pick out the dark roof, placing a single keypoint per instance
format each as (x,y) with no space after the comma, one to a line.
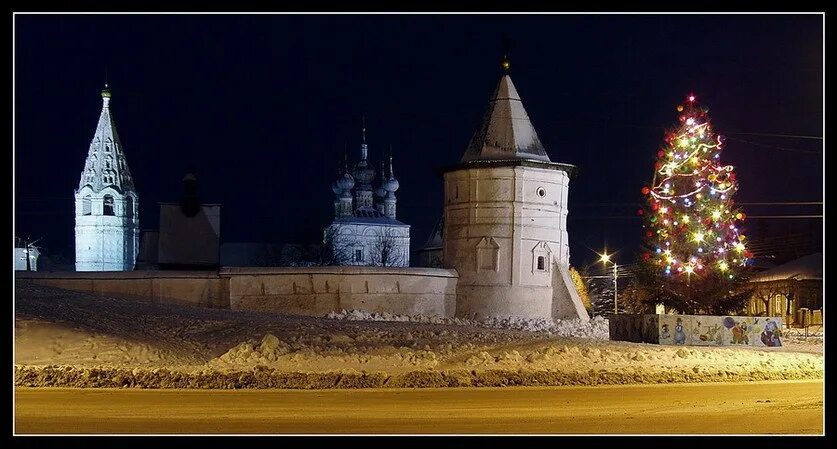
(804,268)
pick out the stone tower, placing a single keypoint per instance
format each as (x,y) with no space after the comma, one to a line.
(505,220)
(107,205)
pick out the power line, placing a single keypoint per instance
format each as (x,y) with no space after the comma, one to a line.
(789,136)
(774,203)
(792,150)
(784,216)
(628,217)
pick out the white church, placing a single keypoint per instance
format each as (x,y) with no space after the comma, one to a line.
(107,204)
(365,230)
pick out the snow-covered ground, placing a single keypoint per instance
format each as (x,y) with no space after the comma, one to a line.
(595,328)
(67,338)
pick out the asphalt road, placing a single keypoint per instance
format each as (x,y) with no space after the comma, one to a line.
(794,407)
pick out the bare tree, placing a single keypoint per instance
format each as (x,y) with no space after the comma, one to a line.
(386,249)
(337,247)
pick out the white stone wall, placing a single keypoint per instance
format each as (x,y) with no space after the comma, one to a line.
(370,239)
(498,222)
(313,291)
(316,291)
(106,242)
(198,288)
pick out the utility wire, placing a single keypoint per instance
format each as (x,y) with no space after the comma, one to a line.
(792,150)
(789,136)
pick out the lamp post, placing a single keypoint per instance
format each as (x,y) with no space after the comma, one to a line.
(605,258)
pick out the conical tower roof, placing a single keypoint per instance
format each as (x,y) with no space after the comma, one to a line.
(506,132)
(106,164)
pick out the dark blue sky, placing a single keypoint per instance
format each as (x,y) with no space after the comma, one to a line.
(262,106)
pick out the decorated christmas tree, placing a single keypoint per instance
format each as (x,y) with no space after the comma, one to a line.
(695,252)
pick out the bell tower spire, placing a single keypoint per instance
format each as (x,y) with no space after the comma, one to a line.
(107,204)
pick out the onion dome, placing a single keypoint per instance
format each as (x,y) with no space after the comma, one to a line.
(346,182)
(390,184)
(363,173)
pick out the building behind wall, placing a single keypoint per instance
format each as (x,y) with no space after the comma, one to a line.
(430,255)
(788,289)
(106,203)
(21,255)
(365,230)
(505,219)
(190,231)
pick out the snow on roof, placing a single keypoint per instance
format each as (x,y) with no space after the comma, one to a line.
(808,267)
(506,132)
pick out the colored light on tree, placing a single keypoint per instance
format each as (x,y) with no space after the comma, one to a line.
(690,209)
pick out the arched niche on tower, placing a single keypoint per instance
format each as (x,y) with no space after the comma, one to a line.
(541,258)
(488,255)
(108,205)
(87,205)
(130,207)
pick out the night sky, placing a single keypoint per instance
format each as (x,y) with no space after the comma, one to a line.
(261,107)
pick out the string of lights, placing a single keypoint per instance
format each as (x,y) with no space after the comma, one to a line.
(691,221)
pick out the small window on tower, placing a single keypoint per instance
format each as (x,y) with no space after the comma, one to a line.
(129,207)
(541,263)
(107,208)
(358,255)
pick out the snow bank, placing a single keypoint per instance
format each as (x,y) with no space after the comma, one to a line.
(264,377)
(72,339)
(596,328)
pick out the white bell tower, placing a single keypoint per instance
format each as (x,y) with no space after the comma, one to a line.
(107,205)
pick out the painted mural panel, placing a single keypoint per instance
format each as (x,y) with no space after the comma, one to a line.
(650,328)
(737,330)
(707,330)
(766,332)
(675,330)
(697,330)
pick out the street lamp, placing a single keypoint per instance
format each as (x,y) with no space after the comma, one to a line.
(605,259)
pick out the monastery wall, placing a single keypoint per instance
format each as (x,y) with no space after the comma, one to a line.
(199,288)
(313,291)
(316,291)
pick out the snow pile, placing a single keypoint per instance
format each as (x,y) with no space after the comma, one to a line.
(596,327)
(246,353)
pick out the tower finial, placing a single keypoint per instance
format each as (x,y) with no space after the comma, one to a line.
(505,64)
(346,157)
(106,95)
(363,146)
(390,161)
